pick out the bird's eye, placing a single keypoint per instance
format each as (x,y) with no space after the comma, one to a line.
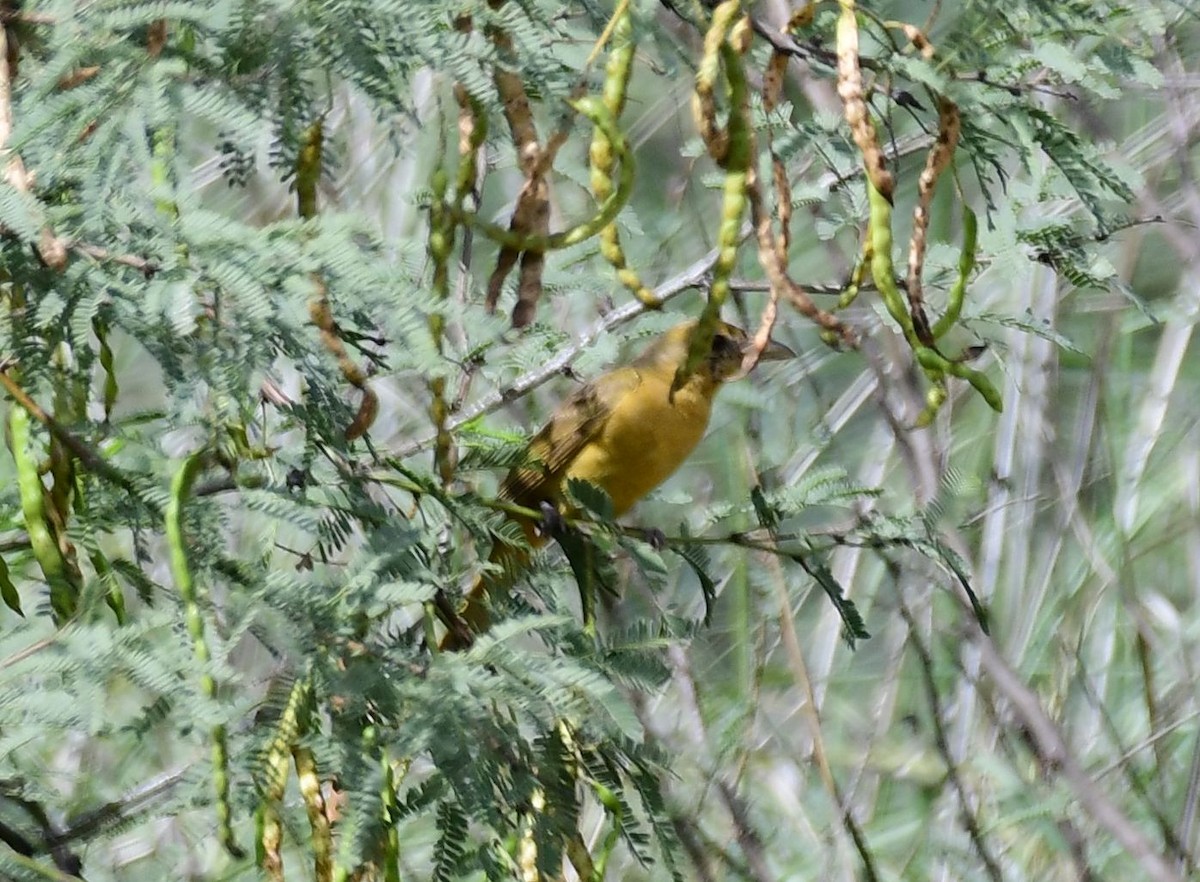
(725,345)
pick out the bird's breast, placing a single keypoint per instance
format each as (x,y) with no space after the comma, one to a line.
(648,435)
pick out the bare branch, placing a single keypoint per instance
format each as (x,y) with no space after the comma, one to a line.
(50,248)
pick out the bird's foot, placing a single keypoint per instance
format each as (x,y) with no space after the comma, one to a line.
(552,523)
(655,538)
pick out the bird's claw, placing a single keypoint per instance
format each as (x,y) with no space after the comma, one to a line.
(552,521)
(656,538)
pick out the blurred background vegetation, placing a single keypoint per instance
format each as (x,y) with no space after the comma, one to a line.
(213,657)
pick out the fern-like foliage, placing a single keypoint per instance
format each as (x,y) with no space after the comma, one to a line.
(165,143)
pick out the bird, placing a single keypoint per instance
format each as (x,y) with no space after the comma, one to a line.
(626,432)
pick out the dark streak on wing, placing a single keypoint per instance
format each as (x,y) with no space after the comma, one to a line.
(571,428)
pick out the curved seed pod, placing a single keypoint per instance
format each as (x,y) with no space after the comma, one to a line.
(594,110)
(272,774)
(114,597)
(937,365)
(308,176)
(8,591)
(772,93)
(530,221)
(70,404)
(737,164)
(64,584)
(441,237)
(318,819)
(879,231)
(443,447)
(856,276)
(850,90)
(704,102)
(181,571)
(111,389)
(308,169)
(941,154)
(833,331)
(364,417)
(320,314)
(616,81)
(441,246)
(268,836)
(966,263)
(773,247)
(472,132)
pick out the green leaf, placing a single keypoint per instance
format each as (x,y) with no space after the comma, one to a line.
(8,591)
(696,557)
(592,568)
(649,561)
(853,626)
(591,497)
(767,516)
(1031,325)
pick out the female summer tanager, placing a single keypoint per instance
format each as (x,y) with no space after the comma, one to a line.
(625,431)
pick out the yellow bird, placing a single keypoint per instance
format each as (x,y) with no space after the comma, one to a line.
(624,432)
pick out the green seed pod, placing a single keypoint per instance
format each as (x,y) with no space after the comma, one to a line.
(308,169)
(879,231)
(738,157)
(64,588)
(594,110)
(111,389)
(181,487)
(966,264)
(602,158)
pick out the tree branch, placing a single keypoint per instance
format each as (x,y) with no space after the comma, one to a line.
(49,247)
(90,459)
(690,278)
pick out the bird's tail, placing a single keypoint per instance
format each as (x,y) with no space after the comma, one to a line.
(474,617)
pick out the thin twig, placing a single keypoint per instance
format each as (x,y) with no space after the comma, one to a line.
(791,643)
(942,741)
(1058,758)
(32,649)
(690,278)
(141,264)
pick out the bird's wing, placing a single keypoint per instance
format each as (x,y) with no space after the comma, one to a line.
(576,422)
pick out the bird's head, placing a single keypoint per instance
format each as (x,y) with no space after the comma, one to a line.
(724,360)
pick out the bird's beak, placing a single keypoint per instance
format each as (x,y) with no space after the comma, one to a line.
(775,351)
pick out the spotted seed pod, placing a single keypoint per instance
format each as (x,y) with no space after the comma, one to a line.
(594,110)
(850,90)
(704,102)
(940,155)
(739,138)
(603,161)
